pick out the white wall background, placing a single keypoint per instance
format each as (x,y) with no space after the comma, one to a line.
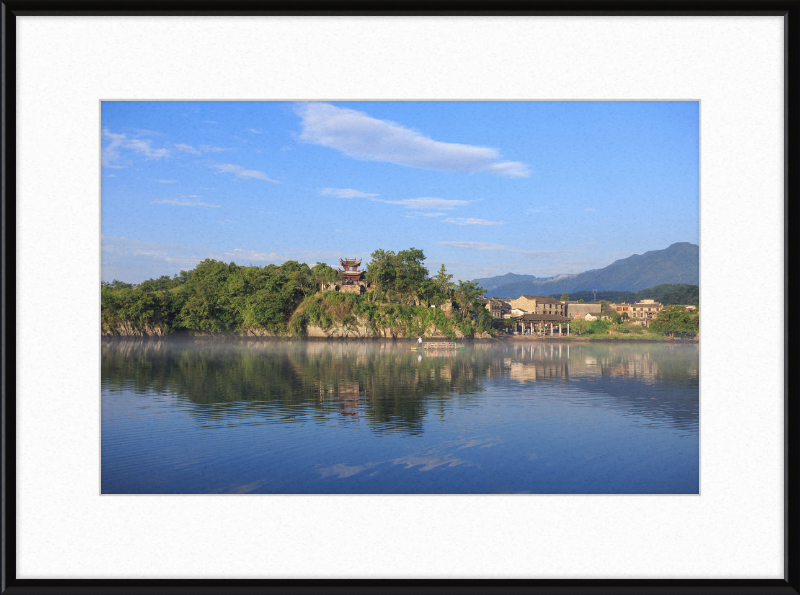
(66,65)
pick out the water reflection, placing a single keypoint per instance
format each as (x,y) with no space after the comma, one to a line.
(376,417)
(391,387)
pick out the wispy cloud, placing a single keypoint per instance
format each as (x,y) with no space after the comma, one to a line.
(187,149)
(165,181)
(111,153)
(209,122)
(255,131)
(441,204)
(199,150)
(145,132)
(490,247)
(241,172)
(471,221)
(345,193)
(590,209)
(182,202)
(419,215)
(360,136)
(121,250)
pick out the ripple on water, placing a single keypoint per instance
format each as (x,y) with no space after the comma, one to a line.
(295,417)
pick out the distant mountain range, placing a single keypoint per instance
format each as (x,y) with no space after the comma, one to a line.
(680,263)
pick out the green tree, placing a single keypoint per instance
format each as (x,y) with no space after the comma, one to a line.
(675,320)
(466,294)
(581,301)
(410,273)
(564,297)
(444,285)
(381,272)
(579,326)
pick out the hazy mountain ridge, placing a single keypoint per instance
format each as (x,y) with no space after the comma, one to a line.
(679,263)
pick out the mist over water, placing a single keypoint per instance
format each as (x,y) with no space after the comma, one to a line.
(319,417)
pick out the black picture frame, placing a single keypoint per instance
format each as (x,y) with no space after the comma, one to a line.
(789,9)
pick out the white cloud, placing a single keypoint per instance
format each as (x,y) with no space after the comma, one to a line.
(254,131)
(134,260)
(344,193)
(111,152)
(471,221)
(165,181)
(442,204)
(209,122)
(419,215)
(360,136)
(490,247)
(187,149)
(590,209)
(181,202)
(210,149)
(199,150)
(240,172)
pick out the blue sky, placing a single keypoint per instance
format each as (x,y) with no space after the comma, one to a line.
(487,188)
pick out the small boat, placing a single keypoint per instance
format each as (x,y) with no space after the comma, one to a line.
(438,346)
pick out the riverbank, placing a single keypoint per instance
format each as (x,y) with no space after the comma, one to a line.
(649,338)
(205,337)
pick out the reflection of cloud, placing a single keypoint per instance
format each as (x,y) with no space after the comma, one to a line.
(360,136)
(428,462)
(342,470)
(482,442)
(242,489)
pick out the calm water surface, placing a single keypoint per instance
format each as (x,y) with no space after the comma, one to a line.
(297,417)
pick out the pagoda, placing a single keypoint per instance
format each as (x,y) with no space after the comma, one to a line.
(351,276)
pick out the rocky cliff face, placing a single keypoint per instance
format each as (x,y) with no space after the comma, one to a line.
(361,330)
(128,330)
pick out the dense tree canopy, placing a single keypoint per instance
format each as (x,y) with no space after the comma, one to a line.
(676,321)
(219,297)
(668,294)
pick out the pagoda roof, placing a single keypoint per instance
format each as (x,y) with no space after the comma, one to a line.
(350,261)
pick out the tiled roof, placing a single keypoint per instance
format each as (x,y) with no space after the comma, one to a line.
(542,299)
(543,318)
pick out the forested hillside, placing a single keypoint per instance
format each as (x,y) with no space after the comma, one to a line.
(217,297)
(667,294)
(677,264)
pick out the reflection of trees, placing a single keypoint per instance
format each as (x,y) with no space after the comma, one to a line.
(383,382)
(653,363)
(653,380)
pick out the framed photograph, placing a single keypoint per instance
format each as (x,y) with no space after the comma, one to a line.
(322,301)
